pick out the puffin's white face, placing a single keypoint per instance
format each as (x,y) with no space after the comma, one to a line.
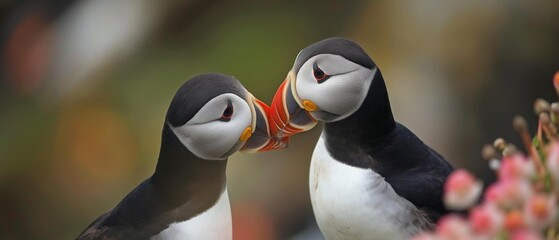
(219,128)
(333,85)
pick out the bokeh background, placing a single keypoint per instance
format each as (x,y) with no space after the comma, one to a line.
(85,85)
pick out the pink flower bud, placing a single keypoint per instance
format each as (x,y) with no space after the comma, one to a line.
(486,219)
(514,220)
(540,210)
(453,226)
(461,190)
(553,161)
(508,193)
(526,234)
(516,166)
(556,81)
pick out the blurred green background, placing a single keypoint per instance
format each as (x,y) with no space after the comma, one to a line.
(85,85)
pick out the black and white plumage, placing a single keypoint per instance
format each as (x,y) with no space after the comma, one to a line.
(210,117)
(370,177)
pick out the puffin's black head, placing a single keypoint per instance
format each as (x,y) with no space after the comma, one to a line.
(213,116)
(342,47)
(197,92)
(330,80)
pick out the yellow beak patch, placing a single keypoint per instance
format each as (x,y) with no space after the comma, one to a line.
(246,134)
(309,106)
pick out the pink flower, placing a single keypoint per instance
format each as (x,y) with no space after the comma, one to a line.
(486,219)
(526,234)
(540,210)
(508,193)
(556,81)
(516,166)
(520,205)
(453,226)
(553,161)
(461,190)
(514,220)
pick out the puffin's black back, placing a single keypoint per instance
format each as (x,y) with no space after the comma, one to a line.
(414,170)
(183,185)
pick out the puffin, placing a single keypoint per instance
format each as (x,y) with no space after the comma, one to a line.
(370,176)
(210,117)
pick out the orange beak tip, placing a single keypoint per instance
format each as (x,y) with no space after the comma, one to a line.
(278,143)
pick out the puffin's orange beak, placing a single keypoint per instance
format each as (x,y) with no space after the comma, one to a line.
(289,114)
(261,138)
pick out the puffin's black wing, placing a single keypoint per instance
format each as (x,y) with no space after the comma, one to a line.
(138,216)
(94,231)
(414,170)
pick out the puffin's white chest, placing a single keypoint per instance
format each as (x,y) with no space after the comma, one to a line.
(213,224)
(355,203)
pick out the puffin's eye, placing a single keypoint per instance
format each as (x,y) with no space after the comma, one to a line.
(319,75)
(227,113)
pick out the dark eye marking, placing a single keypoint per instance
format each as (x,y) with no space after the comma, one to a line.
(228,112)
(319,75)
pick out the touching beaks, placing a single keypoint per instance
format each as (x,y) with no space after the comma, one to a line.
(258,136)
(289,114)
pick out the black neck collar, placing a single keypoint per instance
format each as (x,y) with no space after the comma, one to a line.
(360,134)
(181,176)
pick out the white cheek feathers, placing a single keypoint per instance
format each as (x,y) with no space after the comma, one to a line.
(210,138)
(339,96)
